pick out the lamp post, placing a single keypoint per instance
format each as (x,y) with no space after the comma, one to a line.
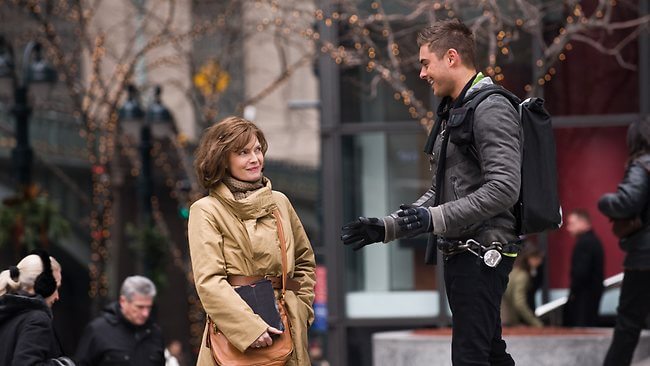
(156,123)
(35,70)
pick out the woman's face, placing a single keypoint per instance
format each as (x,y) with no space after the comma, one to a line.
(50,300)
(247,163)
(535,262)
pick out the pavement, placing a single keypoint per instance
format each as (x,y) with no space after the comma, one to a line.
(528,346)
(645,362)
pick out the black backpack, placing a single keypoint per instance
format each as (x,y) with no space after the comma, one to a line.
(538,208)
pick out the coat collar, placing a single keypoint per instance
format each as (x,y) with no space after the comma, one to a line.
(258,204)
(113,315)
(12,305)
(476,87)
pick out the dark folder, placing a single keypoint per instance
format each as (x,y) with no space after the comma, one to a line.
(261,298)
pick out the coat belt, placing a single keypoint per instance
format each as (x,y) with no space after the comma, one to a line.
(276,282)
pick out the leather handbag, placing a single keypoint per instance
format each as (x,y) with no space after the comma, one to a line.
(277,354)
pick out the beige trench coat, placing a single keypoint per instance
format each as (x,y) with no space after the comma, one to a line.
(229,237)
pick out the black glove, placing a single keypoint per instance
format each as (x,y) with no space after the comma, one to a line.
(363,231)
(414,220)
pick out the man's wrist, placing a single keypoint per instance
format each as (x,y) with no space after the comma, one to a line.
(390,228)
(438,220)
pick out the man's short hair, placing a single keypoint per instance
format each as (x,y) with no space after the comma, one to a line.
(581,213)
(445,34)
(137,285)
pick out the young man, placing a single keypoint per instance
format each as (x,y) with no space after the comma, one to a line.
(124,334)
(587,263)
(475,185)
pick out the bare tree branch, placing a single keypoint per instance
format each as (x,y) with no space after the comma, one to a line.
(276,83)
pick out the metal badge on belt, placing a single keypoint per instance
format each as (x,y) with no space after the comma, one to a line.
(492,258)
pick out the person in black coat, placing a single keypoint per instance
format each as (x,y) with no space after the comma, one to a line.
(124,334)
(587,272)
(630,201)
(27,293)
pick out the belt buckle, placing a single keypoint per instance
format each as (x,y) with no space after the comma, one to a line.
(492,258)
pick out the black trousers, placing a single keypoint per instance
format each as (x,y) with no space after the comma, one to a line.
(633,309)
(474,291)
(582,309)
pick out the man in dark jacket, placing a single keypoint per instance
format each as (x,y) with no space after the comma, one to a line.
(470,201)
(586,272)
(124,334)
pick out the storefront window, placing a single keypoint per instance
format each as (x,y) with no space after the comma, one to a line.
(382,171)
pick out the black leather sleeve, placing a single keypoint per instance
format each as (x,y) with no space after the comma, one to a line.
(630,198)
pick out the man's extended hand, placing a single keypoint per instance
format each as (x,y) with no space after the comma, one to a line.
(414,220)
(363,231)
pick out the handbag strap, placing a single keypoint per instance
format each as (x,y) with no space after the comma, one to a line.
(283,247)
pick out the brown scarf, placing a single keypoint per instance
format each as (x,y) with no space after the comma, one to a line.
(241,189)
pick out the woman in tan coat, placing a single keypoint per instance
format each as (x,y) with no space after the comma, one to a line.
(232,233)
(514,306)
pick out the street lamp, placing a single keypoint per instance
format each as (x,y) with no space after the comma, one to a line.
(156,123)
(36,72)
(131,114)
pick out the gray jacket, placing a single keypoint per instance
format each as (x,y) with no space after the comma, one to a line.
(631,200)
(477,194)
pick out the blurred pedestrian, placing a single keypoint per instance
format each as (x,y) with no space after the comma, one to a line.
(233,240)
(27,293)
(628,202)
(124,334)
(170,360)
(514,306)
(587,272)
(536,282)
(174,354)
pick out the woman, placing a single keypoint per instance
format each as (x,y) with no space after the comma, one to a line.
(232,232)
(631,201)
(514,306)
(27,293)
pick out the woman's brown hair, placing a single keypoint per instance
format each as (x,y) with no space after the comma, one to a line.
(529,250)
(638,139)
(228,135)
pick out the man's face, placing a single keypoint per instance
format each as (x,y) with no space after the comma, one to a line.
(137,310)
(436,72)
(576,225)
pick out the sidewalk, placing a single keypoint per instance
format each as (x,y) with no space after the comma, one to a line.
(645,362)
(528,346)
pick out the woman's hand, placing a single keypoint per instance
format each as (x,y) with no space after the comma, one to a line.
(265,339)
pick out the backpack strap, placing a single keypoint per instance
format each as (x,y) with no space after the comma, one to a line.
(472,103)
(476,98)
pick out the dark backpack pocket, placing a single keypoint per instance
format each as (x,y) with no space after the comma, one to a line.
(460,127)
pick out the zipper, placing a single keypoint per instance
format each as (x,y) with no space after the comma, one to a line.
(442,136)
(454,186)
